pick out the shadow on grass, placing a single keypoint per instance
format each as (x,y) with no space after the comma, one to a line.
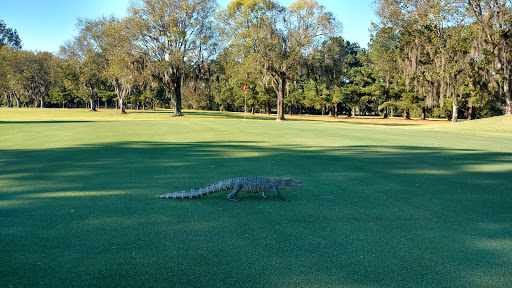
(230,115)
(365,215)
(381,122)
(44,122)
(376,121)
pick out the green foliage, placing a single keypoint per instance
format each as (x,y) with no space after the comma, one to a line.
(296,97)
(421,54)
(9,37)
(59,98)
(172,34)
(444,49)
(275,39)
(338,71)
(408,102)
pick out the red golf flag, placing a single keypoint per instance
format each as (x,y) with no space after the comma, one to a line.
(245,86)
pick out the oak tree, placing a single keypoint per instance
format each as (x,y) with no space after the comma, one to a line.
(171,35)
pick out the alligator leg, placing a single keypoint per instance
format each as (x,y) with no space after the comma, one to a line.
(279,194)
(233,194)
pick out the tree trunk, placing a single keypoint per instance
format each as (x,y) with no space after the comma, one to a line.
(470,113)
(267,94)
(92,100)
(508,96)
(455,109)
(386,94)
(9,99)
(93,104)
(177,96)
(423,113)
(281,86)
(122,109)
(17,98)
(407,114)
(386,115)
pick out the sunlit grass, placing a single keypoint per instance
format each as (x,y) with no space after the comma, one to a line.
(74,194)
(382,204)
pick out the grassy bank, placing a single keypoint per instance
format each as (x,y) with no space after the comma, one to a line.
(383,204)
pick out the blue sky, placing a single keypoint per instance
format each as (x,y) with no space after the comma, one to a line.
(44,25)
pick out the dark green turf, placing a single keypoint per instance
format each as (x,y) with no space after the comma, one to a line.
(380,206)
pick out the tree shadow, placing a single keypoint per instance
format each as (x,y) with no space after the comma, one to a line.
(45,122)
(230,115)
(309,118)
(365,215)
(378,122)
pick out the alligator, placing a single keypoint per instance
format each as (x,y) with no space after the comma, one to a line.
(248,184)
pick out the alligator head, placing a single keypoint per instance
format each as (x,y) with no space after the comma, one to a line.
(285,183)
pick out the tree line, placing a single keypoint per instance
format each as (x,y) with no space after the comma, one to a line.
(435,58)
(451,55)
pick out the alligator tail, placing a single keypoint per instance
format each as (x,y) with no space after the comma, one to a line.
(185,194)
(199,192)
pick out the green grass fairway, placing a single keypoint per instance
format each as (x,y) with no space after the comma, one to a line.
(383,203)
